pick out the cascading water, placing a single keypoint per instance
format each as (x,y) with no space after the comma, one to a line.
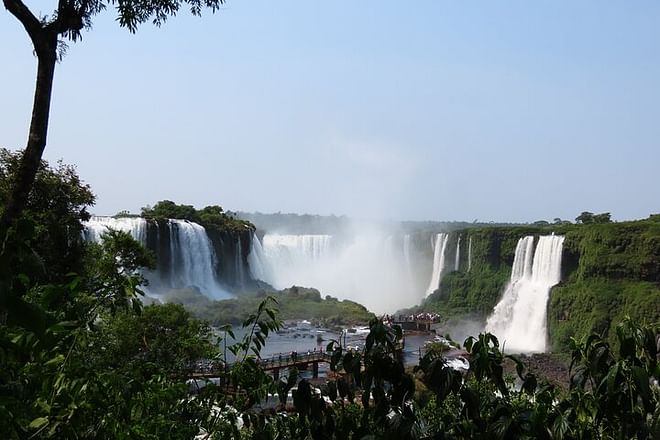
(457,259)
(469,255)
(192,261)
(519,320)
(97,226)
(439,248)
(257,261)
(284,250)
(291,259)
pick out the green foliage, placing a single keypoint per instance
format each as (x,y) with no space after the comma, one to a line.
(246,373)
(587,218)
(166,209)
(54,383)
(629,250)
(610,271)
(113,266)
(462,294)
(580,308)
(55,208)
(162,338)
(213,218)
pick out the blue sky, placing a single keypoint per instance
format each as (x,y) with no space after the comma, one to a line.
(506,111)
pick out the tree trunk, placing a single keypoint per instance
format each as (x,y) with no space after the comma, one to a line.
(46,50)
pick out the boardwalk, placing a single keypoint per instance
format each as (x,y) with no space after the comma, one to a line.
(287,361)
(415,324)
(274,364)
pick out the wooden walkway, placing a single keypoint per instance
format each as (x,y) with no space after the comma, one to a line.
(274,364)
(301,359)
(415,324)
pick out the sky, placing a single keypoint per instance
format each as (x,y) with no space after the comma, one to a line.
(427,110)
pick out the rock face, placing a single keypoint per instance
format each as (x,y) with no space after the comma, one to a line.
(232,249)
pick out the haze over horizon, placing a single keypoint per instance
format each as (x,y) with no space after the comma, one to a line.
(510,112)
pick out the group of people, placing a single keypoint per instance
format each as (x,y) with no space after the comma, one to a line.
(425,316)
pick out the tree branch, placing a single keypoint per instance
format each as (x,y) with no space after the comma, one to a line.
(18,9)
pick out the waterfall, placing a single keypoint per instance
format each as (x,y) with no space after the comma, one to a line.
(519,319)
(369,268)
(457,259)
(440,246)
(469,254)
(192,260)
(286,260)
(289,249)
(257,261)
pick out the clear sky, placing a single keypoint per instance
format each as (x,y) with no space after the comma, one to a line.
(444,110)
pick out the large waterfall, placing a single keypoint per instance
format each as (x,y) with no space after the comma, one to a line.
(190,258)
(457,258)
(439,250)
(519,319)
(377,270)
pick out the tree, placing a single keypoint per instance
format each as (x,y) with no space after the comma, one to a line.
(56,207)
(604,217)
(585,218)
(162,338)
(166,209)
(48,35)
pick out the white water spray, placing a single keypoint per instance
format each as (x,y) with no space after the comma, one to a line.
(406,255)
(371,269)
(519,320)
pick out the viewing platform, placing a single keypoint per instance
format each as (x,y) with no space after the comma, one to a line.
(421,325)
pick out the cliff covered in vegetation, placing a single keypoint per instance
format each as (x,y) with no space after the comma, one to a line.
(293,303)
(231,238)
(610,271)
